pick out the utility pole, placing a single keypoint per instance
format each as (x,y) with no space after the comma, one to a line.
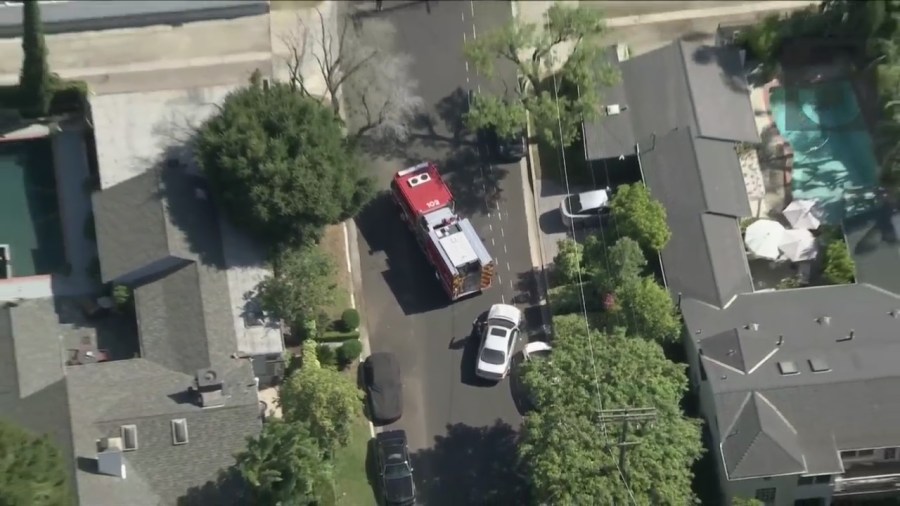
(625,417)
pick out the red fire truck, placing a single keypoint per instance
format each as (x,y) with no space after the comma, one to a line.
(462,263)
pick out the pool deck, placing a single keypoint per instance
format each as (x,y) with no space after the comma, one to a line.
(776,173)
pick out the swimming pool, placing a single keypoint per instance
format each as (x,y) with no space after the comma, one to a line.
(30,225)
(833,151)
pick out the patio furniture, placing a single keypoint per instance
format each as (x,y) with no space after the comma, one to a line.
(804,214)
(763,237)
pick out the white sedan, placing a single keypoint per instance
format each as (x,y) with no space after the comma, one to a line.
(501,330)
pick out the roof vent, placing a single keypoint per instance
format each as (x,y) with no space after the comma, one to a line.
(788,368)
(210,388)
(129,437)
(848,337)
(824,320)
(613,109)
(780,341)
(730,353)
(179,431)
(109,457)
(895,313)
(420,179)
(818,365)
(752,326)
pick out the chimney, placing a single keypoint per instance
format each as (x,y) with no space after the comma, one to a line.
(109,457)
(780,341)
(210,388)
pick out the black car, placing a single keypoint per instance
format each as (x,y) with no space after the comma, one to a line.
(394,469)
(381,376)
(505,148)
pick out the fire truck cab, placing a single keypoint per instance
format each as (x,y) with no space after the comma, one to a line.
(462,263)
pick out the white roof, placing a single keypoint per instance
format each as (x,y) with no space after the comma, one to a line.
(593,199)
(506,312)
(458,249)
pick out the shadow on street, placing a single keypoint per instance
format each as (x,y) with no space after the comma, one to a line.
(471,466)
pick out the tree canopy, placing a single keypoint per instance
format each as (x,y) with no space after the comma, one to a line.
(279,164)
(569,457)
(35,79)
(321,397)
(567,264)
(32,471)
(639,216)
(284,465)
(564,53)
(302,284)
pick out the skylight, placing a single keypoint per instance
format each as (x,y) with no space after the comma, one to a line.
(788,367)
(818,365)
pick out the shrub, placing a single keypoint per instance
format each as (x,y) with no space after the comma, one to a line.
(568,261)
(67,96)
(336,336)
(839,266)
(565,299)
(788,283)
(348,352)
(121,295)
(326,354)
(350,320)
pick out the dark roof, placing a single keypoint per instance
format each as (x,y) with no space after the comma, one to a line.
(32,386)
(794,415)
(162,235)
(108,395)
(873,241)
(682,84)
(695,180)
(73,16)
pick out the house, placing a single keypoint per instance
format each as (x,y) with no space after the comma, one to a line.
(164,426)
(797,386)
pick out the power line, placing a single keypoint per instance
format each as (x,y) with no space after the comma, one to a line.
(584,303)
(635,415)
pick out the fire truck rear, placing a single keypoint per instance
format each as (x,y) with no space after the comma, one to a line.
(462,263)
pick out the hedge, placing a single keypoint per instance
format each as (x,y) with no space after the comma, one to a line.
(334,336)
(564,299)
(68,96)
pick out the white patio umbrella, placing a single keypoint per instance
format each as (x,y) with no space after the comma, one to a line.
(763,237)
(804,214)
(798,245)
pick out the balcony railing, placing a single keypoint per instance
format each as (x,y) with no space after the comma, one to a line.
(868,479)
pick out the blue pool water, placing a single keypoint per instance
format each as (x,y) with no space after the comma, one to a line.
(833,151)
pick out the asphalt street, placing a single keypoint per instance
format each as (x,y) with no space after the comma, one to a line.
(461,432)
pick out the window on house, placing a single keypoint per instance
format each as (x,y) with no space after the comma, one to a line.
(865,453)
(766,495)
(822,479)
(179,431)
(805,480)
(848,454)
(890,453)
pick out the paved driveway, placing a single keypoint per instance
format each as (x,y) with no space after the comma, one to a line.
(462,433)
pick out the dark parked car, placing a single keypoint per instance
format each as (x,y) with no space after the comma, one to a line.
(505,148)
(394,469)
(381,375)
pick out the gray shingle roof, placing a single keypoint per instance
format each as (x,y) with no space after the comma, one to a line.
(705,257)
(32,389)
(759,441)
(861,377)
(682,84)
(106,396)
(160,234)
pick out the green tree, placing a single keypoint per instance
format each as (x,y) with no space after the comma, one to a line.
(567,262)
(32,472)
(647,310)
(301,285)
(284,465)
(839,266)
(279,164)
(35,80)
(639,216)
(535,49)
(570,458)
(622,263)
(322,397)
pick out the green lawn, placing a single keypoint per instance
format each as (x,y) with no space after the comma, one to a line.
(351,479)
